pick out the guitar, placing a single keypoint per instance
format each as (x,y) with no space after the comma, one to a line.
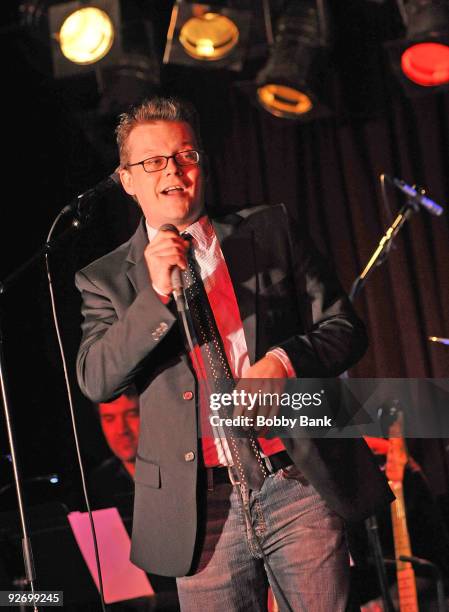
(396,460)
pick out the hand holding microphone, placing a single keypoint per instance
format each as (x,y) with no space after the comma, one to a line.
(166,256)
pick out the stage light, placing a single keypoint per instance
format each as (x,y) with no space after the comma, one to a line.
(426,60)
(83,35)
(86,36)
(421,58)
(281,100)
(291,83)
(132,79)
(426,64)
(206,34)
(209,36)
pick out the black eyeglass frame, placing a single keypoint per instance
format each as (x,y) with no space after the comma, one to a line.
(167,157)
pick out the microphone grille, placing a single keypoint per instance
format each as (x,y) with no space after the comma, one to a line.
(168,227)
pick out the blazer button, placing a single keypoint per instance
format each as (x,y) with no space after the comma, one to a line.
(187,395)
(190,456)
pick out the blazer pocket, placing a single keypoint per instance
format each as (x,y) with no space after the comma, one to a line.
(147,473)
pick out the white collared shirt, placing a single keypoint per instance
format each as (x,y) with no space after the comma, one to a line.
(220,292)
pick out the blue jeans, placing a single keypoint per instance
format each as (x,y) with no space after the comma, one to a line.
(302,538)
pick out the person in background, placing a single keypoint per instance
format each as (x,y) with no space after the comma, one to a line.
(120,421)
(112,482)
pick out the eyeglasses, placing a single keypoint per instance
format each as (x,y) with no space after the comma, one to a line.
(160,162)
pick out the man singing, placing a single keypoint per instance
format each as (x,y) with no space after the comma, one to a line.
(270,309)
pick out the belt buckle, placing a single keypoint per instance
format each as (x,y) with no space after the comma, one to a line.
(231,475)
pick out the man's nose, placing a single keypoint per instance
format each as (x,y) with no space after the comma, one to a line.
(123,426)
(173,167)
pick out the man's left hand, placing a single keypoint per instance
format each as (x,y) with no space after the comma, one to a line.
(266,376)
(267,367)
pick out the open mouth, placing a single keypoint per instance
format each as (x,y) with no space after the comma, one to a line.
(175,189)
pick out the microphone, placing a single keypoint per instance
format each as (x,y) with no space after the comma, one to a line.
(422,200)
(82,201)
(175,275)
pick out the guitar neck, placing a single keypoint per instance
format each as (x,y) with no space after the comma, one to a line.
(408,599)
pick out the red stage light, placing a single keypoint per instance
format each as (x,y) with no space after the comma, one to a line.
(426,64)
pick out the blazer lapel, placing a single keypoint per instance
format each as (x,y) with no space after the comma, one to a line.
(237,245)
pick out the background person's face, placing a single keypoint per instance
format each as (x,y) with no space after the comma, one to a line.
(181,206)
(120,423)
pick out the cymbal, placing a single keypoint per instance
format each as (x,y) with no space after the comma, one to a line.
(439,340)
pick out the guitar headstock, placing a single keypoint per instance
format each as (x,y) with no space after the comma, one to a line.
(397,455)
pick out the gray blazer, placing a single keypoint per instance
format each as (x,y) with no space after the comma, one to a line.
(287,297)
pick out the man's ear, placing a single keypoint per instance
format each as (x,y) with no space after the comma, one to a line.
(127,181)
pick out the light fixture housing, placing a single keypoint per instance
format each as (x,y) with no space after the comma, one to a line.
(207,35)
(420,60)
(292,83)
(84,36)
(136,74)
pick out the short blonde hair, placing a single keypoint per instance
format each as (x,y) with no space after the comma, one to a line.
(155,109)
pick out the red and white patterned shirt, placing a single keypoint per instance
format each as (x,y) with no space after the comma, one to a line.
(221,295)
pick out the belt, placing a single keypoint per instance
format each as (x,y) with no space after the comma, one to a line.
(273,463)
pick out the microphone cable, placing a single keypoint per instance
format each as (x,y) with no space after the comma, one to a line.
(76,224)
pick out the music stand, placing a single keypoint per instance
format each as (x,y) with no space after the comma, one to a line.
(59,563)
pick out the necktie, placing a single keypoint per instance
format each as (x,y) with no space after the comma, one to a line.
(243,444)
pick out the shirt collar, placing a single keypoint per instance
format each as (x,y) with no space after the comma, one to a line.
(201,231)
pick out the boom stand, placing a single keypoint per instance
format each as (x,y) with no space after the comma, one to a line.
(377,258)
(384,246)
(26,542)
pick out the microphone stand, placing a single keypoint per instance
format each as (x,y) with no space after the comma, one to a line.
(377,258)
(383,249)
(30,575)
(374,540)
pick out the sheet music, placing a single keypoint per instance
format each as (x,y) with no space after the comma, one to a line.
(121,579)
